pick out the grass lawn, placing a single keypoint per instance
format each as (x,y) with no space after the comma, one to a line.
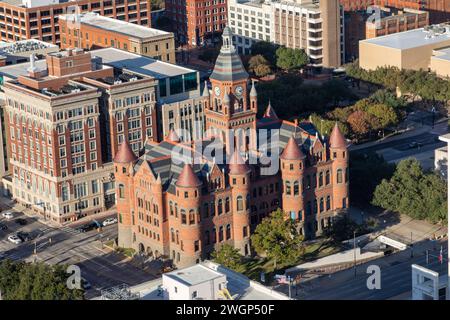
(129,252)
(254,266)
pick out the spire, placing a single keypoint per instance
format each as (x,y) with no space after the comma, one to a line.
(253,92)
(172,136)
(188,178)
(237,164)
(292,151)
(206,90)
(125,154)
(337,139)
(270,112)
(228,66)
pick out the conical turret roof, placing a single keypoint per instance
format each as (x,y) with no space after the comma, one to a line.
(292,151)
(187,177)
(124,154)
(337,139)
(237,164)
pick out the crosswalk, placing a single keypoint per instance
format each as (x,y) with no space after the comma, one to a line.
(69,230)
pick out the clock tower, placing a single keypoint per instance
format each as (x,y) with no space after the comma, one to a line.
(232,109)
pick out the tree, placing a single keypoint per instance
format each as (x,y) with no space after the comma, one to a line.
(385,115)
(291,59)
(325,126)
(413,192)
(278,238)
(266,49)
(259,66)
(359,122)
(209,54)
(227,256)
(342,229)
(35,281)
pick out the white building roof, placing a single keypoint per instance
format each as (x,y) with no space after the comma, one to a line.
(127,28)
(409,39)
(194,275)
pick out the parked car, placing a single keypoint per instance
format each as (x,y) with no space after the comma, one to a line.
(8,214)
(89,226)
(14,239)
(3,226)
(109,221)
(24,236)
(21,221)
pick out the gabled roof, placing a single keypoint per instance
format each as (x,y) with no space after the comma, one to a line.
(270,112)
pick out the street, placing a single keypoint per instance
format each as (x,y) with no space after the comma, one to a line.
(395,278)
(102,267)
(399,147)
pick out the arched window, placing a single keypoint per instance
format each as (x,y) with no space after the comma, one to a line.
(228,232)
(227,205)
(321,205)
(247,201)
(328,202)
(320,179)
(183,216)
(239,203)
(214,235)
(327,177)
(191,217)
(178,237)
(219,207)
(176,210)
(213,208)
(339,176)
(220,233)
(171,208)
(172,235)
(288,188)
(296,188)
(121,191)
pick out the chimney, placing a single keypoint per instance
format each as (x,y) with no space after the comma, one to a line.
(33,71)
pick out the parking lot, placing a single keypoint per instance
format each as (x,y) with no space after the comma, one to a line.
(99,265)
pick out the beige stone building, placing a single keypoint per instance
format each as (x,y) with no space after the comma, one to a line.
(423,48)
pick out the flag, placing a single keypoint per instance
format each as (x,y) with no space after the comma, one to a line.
(441,256)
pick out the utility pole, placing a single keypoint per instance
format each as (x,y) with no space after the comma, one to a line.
(354,251)
(412,250)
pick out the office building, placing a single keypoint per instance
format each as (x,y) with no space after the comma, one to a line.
(38,19)
(92,31)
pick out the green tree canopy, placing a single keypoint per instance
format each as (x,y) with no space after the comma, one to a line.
(35,281)
(227,256)
(386,115)
(291,59)
(413,192)
(278,238)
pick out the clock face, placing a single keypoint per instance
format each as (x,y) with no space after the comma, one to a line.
(239,90)
(217,91)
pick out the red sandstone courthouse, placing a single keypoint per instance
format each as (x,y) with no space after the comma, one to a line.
(184,210)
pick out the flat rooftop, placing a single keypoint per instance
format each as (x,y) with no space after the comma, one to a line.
(194,275)
(409,39)
(140,64)
(115,58)
(24,46)
(127,28)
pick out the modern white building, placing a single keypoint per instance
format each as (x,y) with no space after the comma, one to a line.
(427,284)
(317,26)
(194,283)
